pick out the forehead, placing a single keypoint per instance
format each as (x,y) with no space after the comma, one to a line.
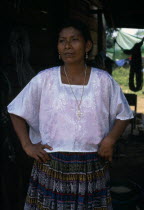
(69,31)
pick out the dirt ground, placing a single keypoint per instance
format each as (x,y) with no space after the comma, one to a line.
(127,169)
(140,104)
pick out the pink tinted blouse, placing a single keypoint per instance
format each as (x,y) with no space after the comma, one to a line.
(49,107)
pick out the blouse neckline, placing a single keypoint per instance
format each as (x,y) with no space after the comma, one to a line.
(64,84)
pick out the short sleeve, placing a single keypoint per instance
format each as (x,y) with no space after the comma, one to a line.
(119,106)
(27,103)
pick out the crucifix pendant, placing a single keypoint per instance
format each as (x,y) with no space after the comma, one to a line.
(79,113)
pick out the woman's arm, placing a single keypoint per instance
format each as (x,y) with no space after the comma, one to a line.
(107,144)
(35,151)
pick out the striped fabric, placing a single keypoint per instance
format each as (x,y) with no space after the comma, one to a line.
(69,181)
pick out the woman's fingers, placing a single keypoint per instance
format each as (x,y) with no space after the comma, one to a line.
(37,152)
(45,146)
(105,149)
(37,158)
(41,157)
(106,153)
(44,155)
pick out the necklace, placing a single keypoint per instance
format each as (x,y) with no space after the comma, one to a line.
(79,113)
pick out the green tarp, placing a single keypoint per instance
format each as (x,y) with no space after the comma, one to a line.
(126,41)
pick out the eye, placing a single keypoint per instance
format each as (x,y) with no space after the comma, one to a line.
(75,39)
(61,40)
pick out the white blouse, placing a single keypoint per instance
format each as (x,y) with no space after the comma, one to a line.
(50,108)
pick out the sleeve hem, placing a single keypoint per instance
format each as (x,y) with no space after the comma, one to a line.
(124,118)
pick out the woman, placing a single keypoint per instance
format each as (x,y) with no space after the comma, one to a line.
(75,113)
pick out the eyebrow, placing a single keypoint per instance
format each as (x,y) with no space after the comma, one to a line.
(70,36)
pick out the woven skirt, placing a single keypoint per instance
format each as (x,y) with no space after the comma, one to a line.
(69,181)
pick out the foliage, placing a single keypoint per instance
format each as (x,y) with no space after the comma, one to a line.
(121,75)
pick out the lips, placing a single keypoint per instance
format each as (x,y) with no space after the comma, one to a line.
(68,54)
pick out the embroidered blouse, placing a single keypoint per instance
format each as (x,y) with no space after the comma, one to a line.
(49,107)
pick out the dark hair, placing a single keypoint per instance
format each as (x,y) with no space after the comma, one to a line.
(80,26)
(77,24)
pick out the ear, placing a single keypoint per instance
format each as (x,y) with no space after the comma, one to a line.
(88,46)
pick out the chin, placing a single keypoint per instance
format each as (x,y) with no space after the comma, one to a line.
(72,61)
(68,60)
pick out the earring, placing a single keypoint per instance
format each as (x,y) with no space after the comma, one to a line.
(86,56)
(59,57)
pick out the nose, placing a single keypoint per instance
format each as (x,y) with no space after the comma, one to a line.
(68,44)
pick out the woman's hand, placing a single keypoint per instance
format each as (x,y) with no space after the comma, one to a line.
(37,151)
(106,149)
(107,145)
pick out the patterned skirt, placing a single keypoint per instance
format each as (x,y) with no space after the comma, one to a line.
(70,181)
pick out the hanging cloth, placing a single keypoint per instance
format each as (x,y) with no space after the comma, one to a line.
(135,75)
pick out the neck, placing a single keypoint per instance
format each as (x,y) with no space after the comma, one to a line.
(73,69)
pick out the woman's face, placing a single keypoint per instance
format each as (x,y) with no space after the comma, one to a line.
(72,45)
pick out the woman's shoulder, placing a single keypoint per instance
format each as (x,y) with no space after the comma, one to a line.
(48,71)
(101,73)
(45,75)
(104,77)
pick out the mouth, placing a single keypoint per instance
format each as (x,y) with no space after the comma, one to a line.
(68,54)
